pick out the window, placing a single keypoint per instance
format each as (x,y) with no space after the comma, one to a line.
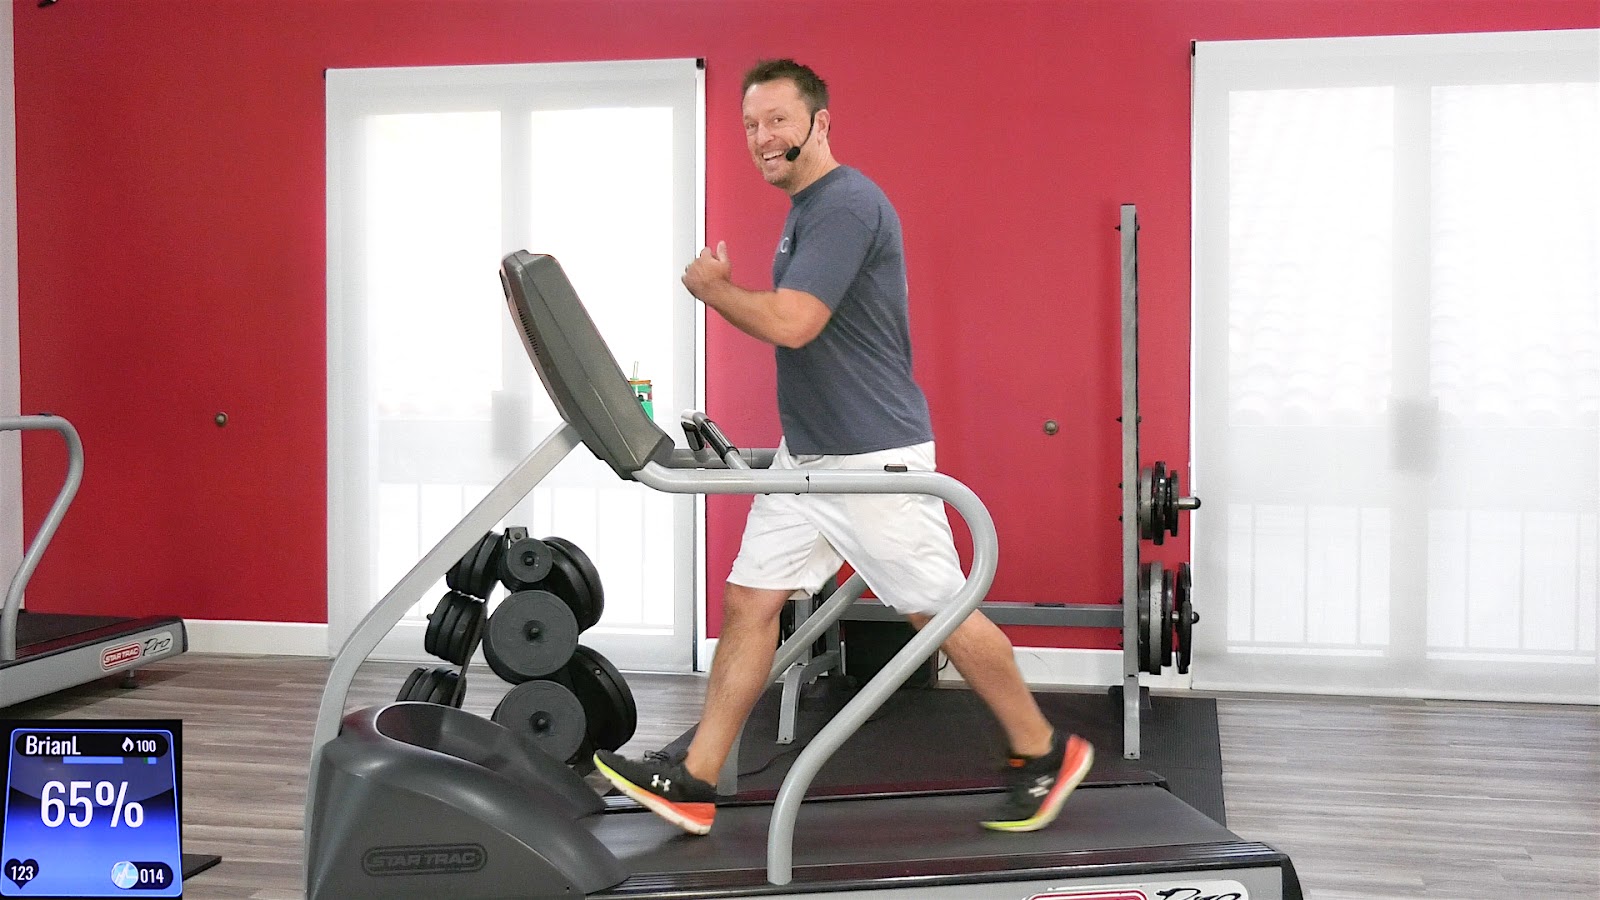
(1397,364)
(434,175)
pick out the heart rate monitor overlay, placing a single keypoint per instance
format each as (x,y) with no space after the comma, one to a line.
(92,809)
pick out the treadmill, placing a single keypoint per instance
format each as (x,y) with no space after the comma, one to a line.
(42,653)
(414,800)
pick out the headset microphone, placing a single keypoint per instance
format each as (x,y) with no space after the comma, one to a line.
(793,153)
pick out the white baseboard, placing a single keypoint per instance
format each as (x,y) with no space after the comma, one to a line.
(1046,667)
(402,644)
(257,638)
(1041,666)
(1057,667)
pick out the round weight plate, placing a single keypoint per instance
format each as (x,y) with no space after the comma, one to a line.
(460,575)
(1147,526)
(1169,624)
(468,630)
(1186,618)
(530,635)
(1158,504)
(430,637)
(491,572)
(605,696)
(409,688)
(456,579)
(524,564)
(481,575)
(1174,494)
(575,580)
(547,714)
(1142,615)
(442,621)
(1152,643)
(449,687)
(439,688)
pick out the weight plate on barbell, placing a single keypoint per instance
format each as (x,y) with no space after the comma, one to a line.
(530,635)
(1152,642)
(1160,495)
(574,578)
(546,713)
(1174,493)
(1146,514)
(1169,624)
(1186,618)
(606,698)
(1142,617)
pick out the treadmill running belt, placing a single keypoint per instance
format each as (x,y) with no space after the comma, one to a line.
(36,628)
(938,828)
(1181,743)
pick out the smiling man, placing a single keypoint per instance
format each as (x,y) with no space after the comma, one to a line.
(838,317)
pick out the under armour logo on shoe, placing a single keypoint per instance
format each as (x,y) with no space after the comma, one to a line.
(660,784)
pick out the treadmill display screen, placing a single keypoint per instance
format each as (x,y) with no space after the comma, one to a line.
(91,809)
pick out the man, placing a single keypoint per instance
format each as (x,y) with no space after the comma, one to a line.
(847,400)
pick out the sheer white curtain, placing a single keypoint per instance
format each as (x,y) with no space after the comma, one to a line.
(434,173)
(1397,365)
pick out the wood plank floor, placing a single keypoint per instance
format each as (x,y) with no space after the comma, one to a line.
(1372,799)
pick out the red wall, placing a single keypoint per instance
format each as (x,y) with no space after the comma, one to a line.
(170,193)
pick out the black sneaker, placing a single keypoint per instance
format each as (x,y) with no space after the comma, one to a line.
(1037,787)
(663,786)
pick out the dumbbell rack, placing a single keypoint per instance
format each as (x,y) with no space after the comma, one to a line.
(566,700)
(1153,624)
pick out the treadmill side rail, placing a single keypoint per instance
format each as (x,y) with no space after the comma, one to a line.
(83,658)
(47,528)
(1257,872)
(71,650)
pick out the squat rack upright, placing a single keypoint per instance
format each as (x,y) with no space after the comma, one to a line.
(1156,614)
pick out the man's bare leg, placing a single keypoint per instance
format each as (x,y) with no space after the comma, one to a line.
(744,657)
(983,655)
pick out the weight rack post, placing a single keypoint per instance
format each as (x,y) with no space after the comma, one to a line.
(1130,481)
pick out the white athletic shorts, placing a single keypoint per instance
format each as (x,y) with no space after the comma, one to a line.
(900,543)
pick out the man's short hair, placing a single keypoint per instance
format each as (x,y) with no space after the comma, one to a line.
(812,88)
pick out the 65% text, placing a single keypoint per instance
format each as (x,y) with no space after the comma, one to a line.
(60,803)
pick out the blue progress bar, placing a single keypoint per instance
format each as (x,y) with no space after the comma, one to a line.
(93,760)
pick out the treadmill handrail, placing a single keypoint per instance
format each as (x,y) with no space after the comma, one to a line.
(985,559)
(47,529)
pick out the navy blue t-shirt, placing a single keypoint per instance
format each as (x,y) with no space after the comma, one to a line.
(850,390)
